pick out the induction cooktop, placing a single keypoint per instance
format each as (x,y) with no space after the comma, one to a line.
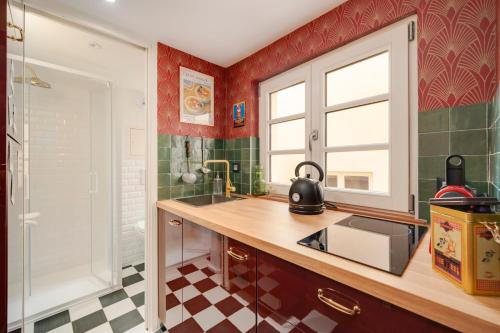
(381,244)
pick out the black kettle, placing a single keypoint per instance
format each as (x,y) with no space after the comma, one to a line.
(306,194)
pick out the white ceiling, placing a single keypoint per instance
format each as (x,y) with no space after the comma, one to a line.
(220,31)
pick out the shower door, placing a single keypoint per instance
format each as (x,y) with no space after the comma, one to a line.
(14,175)
(68,188)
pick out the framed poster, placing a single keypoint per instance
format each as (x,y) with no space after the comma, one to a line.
(239,114)
(196,97)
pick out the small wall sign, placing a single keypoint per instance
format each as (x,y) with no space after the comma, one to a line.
(239,114)
(196,97)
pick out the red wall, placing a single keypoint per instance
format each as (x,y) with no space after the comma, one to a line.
(498,44)
(456,58)
(169,60)
(456,51)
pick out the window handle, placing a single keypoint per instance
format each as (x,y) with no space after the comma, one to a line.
(313,136)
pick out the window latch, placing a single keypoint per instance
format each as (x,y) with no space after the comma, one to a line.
(313,137)
(411,31)
(411,203)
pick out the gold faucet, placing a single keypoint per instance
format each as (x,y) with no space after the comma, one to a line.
(229,186)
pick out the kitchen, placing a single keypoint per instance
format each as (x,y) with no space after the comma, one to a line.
(334,169)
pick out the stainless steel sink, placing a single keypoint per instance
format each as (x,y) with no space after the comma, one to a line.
(204,200)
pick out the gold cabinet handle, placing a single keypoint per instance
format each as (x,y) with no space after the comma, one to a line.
(18,28)
(174,223)
(337,306)
(239,257)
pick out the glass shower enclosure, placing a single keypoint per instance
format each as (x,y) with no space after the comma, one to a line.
(61,229)
(68,192)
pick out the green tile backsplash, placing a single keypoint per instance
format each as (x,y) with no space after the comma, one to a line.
(468,117)
(434,121)
(244,151)
(459,130)
(469,142)
(172,164)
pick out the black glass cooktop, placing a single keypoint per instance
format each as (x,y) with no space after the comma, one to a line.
(382,244)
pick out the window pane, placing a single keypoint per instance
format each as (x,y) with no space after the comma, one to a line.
(358,170)
(283,167)
(288,135)
(366,124)
(288,101)
(365,78)
(357,182)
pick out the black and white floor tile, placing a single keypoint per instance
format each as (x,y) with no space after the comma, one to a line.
(207,307)
(121,311)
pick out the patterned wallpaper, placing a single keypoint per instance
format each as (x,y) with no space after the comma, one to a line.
(456,58)
(456,51)
(169,60)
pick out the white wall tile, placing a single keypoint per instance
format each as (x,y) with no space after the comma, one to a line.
(133,210)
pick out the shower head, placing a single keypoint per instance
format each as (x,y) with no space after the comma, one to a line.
(33,80)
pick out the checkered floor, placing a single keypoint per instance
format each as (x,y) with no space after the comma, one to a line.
(118,312)
(209,307)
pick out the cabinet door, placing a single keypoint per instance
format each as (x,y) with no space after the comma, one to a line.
(290,297)
(241,307)
(218,283)
(169,263)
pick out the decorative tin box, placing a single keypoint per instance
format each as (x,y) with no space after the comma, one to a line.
(464,249)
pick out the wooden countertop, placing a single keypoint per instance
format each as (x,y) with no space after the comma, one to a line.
(268,226)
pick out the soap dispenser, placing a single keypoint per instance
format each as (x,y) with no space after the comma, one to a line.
(218,185)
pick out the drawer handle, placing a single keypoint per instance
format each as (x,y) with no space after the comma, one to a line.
(339,307)
(174,223)
(240,257)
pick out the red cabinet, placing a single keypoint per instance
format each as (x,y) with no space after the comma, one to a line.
(241,281)
(212,283)
(293,298)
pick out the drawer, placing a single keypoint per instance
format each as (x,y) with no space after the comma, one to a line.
(292,295)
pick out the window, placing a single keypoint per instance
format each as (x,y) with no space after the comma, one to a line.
(288,101)
(348,111)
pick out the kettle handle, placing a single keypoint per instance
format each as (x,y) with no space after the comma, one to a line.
(314,164)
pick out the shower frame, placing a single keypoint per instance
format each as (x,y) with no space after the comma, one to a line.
(115,211)
(151,174)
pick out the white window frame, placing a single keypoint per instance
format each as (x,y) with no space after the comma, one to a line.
(402,127)
(280,82)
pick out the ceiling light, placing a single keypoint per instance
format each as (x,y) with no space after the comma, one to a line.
(111,1)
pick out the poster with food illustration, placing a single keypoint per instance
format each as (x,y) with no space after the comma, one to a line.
(196,97)
(239,114)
